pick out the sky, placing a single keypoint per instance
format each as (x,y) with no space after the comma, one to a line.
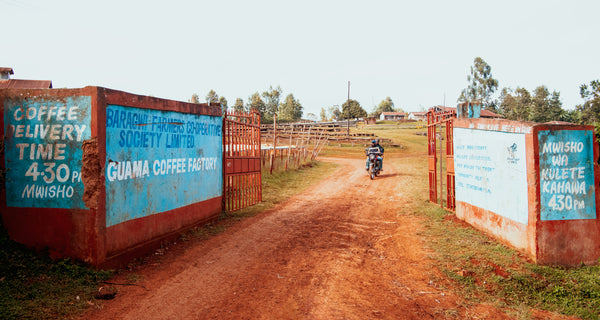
(418,53)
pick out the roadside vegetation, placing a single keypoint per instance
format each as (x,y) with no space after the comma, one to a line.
(481,269)
(32,286)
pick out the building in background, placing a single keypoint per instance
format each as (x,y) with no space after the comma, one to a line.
(6,82)
(419,116)
(392,116)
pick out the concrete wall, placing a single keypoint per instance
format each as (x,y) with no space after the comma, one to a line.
(98,174)
(530,185)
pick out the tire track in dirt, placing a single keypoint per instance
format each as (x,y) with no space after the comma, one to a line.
(344,249)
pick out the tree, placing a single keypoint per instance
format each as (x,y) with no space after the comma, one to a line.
(223,103)
(544,106)
(238,106)
(515,105)
(312,117)
(590,109)
(195,98)
(352,109)
(323,114)
(212,97)
(335,112)
(290,109)
(271,97)
(386,105)
(481,84)
(573,116)
(257,104)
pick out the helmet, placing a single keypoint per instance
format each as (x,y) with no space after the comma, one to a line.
(374,142)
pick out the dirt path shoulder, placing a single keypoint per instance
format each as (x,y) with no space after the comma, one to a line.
(344,249)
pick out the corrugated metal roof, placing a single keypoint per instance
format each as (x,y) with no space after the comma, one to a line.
(9,70)
(25,84)
(393,113)
(489,114)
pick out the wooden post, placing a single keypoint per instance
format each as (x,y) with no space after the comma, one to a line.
(274,142)
(312,157)
(289,149)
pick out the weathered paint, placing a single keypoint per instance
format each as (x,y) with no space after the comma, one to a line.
(468,110)
(566,175)
(548,235)
(150,151)
(78,229)
(506,230)
(43,141)
(490,171)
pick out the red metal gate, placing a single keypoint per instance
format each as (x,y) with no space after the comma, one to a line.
(242,182)
(441,118)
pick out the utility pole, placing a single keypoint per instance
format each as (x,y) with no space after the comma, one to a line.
(348,119)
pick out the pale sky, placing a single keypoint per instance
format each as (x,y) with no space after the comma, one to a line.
(418,53)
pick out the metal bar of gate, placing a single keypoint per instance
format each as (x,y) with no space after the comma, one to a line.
(444,120)
(241,158)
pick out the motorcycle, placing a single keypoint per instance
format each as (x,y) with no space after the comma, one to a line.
(374,157)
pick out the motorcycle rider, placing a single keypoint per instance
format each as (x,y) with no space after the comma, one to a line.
(375,144)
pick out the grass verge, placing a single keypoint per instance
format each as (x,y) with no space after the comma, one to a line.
(33,286)
(481,269)
(485,271)
(281,185)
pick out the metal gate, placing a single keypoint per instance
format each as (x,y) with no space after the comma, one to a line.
(440,118)
(242,182)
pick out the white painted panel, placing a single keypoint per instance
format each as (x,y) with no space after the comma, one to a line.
(491,171)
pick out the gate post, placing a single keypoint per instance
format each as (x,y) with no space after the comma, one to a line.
(242,181)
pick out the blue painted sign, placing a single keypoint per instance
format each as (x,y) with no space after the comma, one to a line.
(567,175)
(491,171)
(158,161)
(43,151)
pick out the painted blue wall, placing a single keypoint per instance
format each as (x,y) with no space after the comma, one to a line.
(43,150)
(567,175)
(491,171)
(158,161)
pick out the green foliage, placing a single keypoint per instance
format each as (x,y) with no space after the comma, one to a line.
(257,104)
(334,113)
(386,105)
(223,103)
(489,272)
(481,83)
(590,109)
(290,110)
(271,97)
(212,97)
(32,286)
(239,105)
(323,114)
(545,107)
(515,105)
(352,109)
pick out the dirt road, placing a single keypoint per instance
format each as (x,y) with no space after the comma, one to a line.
(347,248)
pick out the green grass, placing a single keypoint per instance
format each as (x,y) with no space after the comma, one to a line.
(478,267)
(486,271)
(281,185)
(32,286)
(482,270)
